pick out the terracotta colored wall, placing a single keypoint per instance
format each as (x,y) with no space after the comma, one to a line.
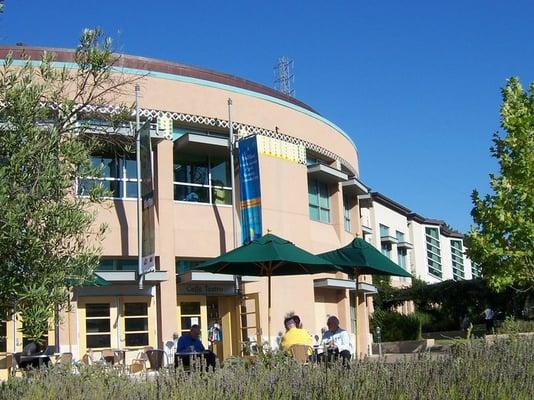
(202,230)
(168,95)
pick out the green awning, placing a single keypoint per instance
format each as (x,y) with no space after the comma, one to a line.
(94,280)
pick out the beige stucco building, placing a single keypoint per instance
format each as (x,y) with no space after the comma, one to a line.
(427,248)
(310,199)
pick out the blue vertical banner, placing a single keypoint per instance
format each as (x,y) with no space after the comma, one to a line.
(249,185)
(148,245)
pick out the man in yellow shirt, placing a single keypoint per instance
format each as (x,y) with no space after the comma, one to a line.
(295,335)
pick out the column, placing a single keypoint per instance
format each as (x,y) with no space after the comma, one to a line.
(166,292)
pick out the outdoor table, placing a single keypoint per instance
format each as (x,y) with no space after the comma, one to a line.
(187,355)
(33,361)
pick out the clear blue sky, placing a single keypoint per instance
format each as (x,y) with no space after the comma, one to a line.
(415,83)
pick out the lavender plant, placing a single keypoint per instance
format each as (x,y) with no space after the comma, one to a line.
(502,370)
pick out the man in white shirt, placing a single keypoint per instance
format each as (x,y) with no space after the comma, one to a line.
(488,317)
(336,342)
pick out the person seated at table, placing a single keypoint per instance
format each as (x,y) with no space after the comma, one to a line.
(297,320)
(295,335)
(33,356)
(336,341)
(191,343)
(32,348)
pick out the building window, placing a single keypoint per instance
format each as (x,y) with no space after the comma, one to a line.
(183,266)
(475,270)
(457,255)
(136,324)
(401,257)
(346,214)
(117,265)
(385,247)
(433,255)
(118,175)
(401,252)
(319,201)
(202,179)
(189,315)
(97,326)
(3,336)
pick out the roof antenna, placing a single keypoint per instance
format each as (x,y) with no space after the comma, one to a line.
(284,78)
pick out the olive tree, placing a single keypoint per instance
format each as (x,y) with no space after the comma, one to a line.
(48,239)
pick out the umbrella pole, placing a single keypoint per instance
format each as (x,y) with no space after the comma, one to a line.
(269,309)
(356,355)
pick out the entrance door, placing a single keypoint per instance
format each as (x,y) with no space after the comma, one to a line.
(249,312)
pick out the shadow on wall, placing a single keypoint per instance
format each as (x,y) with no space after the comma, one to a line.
(222,232)
(123,222)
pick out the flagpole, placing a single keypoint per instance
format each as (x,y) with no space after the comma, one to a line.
(139,199)
(231,145)
(269,309)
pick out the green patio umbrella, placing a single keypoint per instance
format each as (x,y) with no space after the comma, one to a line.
(268,256)
(362,258)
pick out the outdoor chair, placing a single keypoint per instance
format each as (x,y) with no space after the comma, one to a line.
(119,356)
(170,351)
(135,361)
(109,356)
(65,359)
(300,353)
(156,358)
(87,359)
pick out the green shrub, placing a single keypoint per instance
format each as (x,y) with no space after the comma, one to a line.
(514,326)
(396,327)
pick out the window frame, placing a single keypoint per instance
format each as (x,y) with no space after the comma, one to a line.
(320,195)
(209,186)
(385,249)
(122,180)
(347,214)
(108,333)
(383,229)
(431,261)
(402,254)
(457,260)
(126,317)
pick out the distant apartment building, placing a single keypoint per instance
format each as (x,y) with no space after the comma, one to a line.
(427,248)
